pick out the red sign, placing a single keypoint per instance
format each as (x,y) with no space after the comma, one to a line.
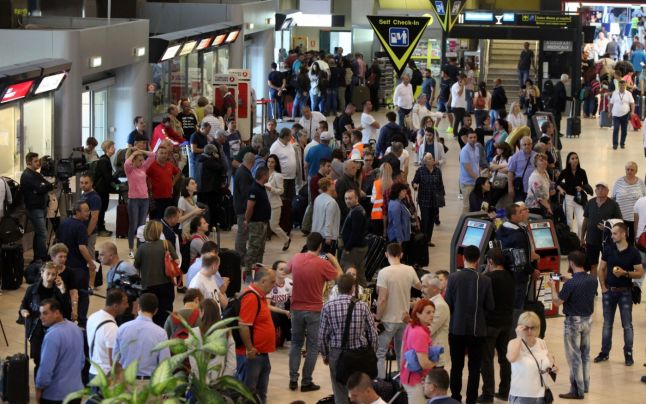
(16,91)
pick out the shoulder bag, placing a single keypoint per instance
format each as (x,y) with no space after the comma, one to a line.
(519,189)
(171,268)
(549,397)
(354,360)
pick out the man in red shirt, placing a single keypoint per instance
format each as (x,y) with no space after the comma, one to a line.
(258,334)
(164,131)
(162,175)
(310,271)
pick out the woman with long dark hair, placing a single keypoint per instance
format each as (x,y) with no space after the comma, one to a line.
(498,169)
(573,185)
(317,94)
(481,102)
(479,197)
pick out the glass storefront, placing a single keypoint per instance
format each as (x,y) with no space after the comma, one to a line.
(187,76)
(24,127)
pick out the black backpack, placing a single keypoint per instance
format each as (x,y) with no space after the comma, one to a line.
(417,78)
(233,311)
(324,82)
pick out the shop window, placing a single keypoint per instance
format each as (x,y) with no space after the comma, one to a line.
(223,60)
(9,148)
(194,88)
(208,65)
(37,121)
(94,112)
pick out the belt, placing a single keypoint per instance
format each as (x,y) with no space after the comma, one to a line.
(143,377)
(622,289)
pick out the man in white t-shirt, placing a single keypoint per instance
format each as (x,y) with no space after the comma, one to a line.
(102,330)
(393,288)
(640,227)
(310,119)
(622,106)
(458,102)
(205,282)
(403,99)
(369,125)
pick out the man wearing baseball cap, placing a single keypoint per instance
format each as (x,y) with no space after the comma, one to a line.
(597,210)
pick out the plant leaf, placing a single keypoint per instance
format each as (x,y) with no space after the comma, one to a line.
(221,324)
(217,347)
(76,395)
(130,374)
(100,380)
(160,375)
(231,383)
(168,344)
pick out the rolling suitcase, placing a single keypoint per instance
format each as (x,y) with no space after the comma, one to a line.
(12,265)
(573,126)
(376,256)
(360,94)
(231,267)
(121,230)
(14,385)
(390,389)
(225,214)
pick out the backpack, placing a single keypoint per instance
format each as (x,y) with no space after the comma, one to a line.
(417,78)
(490,149)
(17,200)
(181,332)
(233,311)
(324,81)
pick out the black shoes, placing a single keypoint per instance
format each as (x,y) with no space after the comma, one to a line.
(601,358)
(570,396)
(484,399)
(287,244)
(293,385)
(309,387)
(628,356)
(501,397)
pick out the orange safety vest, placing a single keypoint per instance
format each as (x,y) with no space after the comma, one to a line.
(378,204)
(359,148)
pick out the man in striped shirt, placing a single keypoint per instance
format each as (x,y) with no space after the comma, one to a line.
(362,333)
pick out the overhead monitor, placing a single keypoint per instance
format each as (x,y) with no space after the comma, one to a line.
(542,238)
(219,39)
(49,83)
(188,48)
(171,52)
(233,35)
(204,43)
(16,91)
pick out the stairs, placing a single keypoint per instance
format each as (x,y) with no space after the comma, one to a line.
(503,62)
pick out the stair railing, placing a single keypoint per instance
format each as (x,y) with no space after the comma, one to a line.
(484,59)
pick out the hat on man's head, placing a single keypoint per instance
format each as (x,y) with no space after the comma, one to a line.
(326,135)
(602,183)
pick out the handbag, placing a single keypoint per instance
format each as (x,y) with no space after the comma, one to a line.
(498,181)
(549,397)
(519,189)
(354,360)
(641,241)
(171,268)
(636,294)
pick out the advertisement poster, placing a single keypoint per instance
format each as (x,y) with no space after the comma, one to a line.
(244,115)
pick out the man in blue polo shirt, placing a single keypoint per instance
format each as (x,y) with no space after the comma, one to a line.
(577,298)
(521,166)
(469,168)
(620,264)
(318,152)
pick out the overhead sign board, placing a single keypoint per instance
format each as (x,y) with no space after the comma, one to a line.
(489,18)
(399,36)
(448,12)
(16,91)
(557,46)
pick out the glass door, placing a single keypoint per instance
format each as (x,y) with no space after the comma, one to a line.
(9,144)
(94,113)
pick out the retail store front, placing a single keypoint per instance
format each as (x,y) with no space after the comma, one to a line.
(26,111)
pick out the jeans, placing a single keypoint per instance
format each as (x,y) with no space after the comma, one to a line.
(617,123)
(458,117)
(590,105)
(332,102)
(576,337)
(160,206)
(610,302)
(469,97)
(391,331)
(242,236)
(526,400)
(341,98)
(137,211)
(472,346)
(83,284)
(479,116)
(401,114)
(523,75)
(254,373)
(300,100)
(276,105)
(339,389)
(497,340)
(318,103)
(304,322)
(39,223)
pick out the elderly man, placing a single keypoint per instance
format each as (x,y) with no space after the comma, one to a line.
(326,215)
(243,181)
(432,290)
(345,183)
(288,167)
(310,119)
(216,123)
(521,166)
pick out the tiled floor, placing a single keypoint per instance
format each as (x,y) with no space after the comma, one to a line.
(609,381)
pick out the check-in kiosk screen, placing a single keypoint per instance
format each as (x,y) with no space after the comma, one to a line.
(543,238)
(473,234)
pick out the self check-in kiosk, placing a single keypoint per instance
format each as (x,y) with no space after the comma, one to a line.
(473,229)
(543,237)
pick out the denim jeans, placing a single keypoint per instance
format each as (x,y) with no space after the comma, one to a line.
(254,373)
(339,389)
(304,322)
(590,105)
(526,400)
(619,122)
(275,106)
(391,331)
(137,212)
(576,337)
(332,104)
(458,117)
(39,223)
(523,75)
(300,101)
(401,114)
(318,103)
(610,302)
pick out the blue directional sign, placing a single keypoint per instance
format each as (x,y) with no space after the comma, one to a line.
(439,7)
(398,37)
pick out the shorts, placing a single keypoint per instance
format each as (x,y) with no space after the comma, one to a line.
(591,255)
(442,106)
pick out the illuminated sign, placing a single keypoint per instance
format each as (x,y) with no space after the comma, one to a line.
(49,83)
(219,39)
(16,91)
(171,51)
(537,20)
(204,43)
(232,36)
(187,48)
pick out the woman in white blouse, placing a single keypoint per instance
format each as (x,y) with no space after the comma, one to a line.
(538,187)
(274,190)
(626,191)
(530,362)
(516,118)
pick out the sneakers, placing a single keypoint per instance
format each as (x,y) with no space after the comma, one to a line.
(131,254)
(628,356)
(601,358)
(309,387)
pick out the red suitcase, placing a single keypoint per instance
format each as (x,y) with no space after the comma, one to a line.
(122,219)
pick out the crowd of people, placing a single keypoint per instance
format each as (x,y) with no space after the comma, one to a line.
(349,188)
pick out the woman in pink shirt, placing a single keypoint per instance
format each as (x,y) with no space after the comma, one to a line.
(135,167)
(417,337)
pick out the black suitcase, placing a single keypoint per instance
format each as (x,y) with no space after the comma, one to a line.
(225,215)
(15,378)
(417,250)
(376,255)
(12,265)
(573,126)
(231,267)
(390,390)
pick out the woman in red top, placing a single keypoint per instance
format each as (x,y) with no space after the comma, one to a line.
(417,336)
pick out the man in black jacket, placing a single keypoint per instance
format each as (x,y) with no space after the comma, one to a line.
(498,98)
(353,233)
(389,133)
(468,295)
(104,183)
(345,183)
(559,101)
(35,189)
(243,181)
